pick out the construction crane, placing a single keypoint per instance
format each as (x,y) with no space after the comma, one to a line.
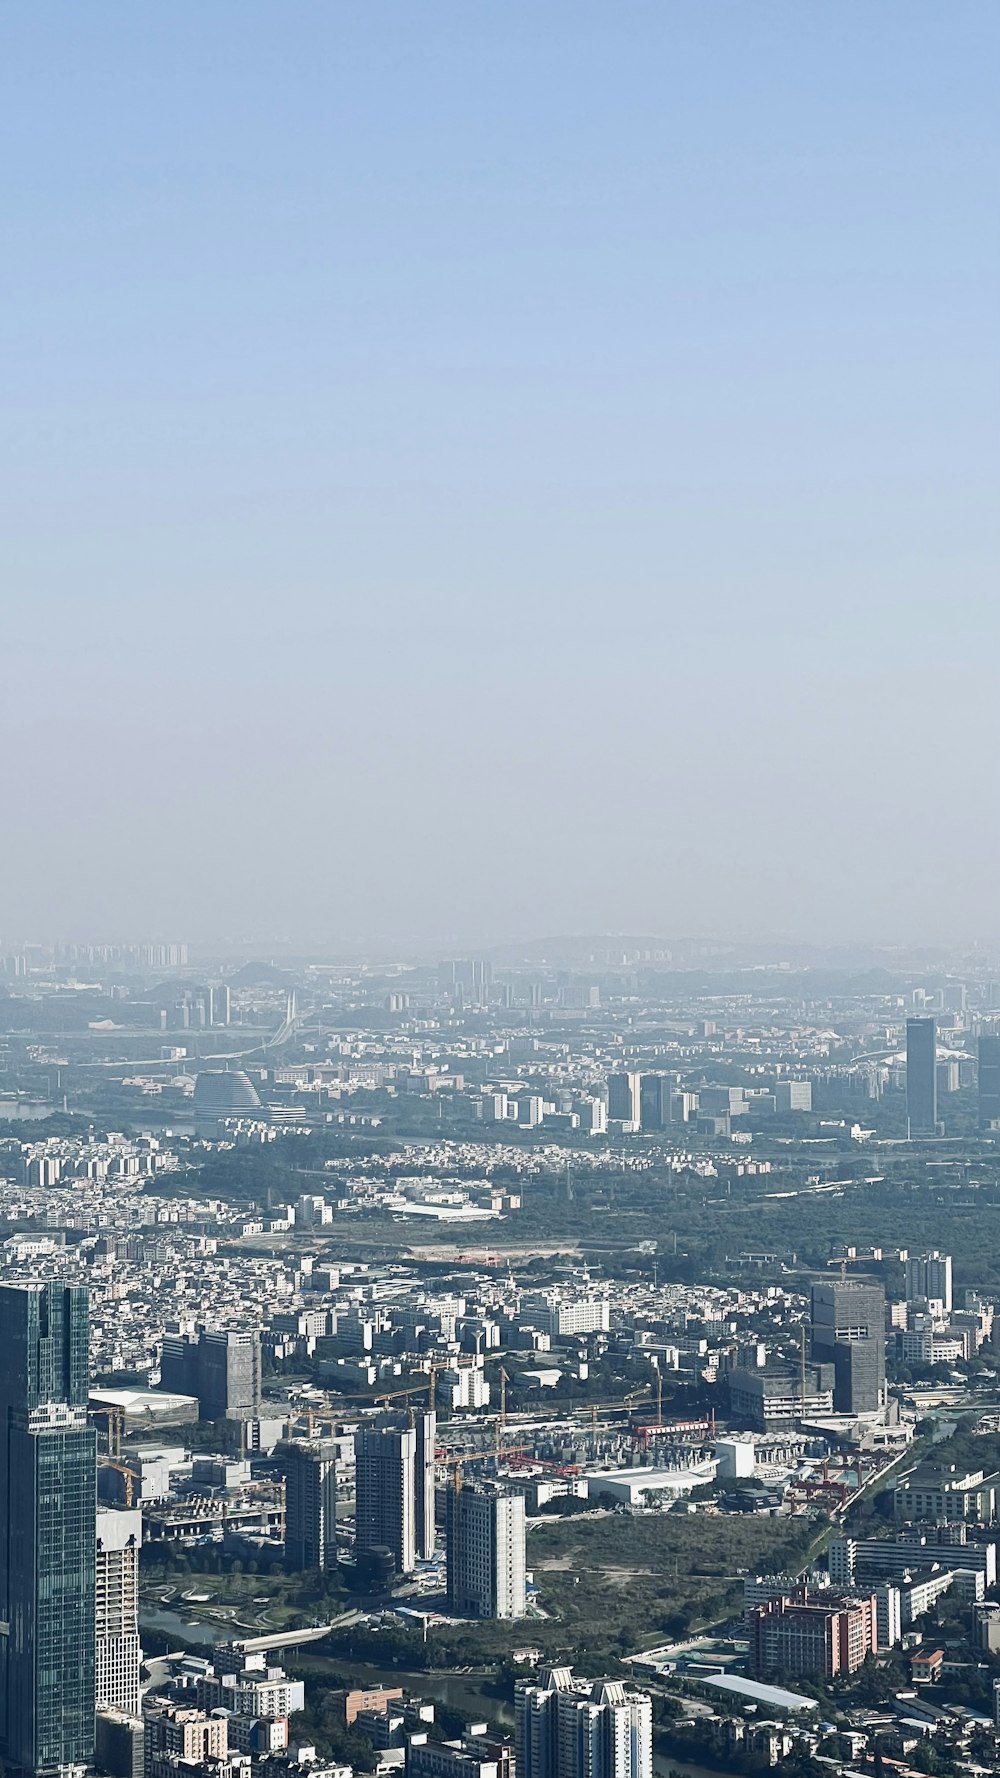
(111,1420)
(131,1479)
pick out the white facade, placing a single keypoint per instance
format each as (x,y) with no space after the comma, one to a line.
(568,1729)
(928,1275)
(117,1651)
(485,1552)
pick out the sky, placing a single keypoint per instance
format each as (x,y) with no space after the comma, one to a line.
(471,471)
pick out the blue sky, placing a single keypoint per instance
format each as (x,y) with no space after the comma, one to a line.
(469,471)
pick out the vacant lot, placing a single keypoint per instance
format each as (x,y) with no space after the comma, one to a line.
(620,1583)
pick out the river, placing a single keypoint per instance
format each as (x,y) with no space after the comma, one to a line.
(465,1692)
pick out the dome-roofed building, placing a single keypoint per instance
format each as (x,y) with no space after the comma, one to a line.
(219,1090)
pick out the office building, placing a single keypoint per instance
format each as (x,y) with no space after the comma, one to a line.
(395,1490)
(989,1081)
(793,1095)
(802,1635)
(928,1278)
(485,1529)
(769,1397)
(117,1651)
(219,1007)
(48,1494)
(222,1368)
(654,1101)
(310,1503)
(565,1728)
(625,1098)
(921,1076)
(848,1331)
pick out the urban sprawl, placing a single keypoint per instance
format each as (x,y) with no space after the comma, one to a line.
(568,1364)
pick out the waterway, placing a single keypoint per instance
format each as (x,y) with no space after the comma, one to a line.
(464,1692)
(185,1629)
(23,1110)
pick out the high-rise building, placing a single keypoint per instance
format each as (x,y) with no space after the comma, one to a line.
(222,1368)
(565,1728)
(624,1097)
(848,1331)
(48,1540)
(812,1636)
(310,1503)
(219,1004)
(485,1529)
(425,1427)
(928,1276)
(989,1080)
(654,1101)
(118,1654)
(395,1490)
(921,1076)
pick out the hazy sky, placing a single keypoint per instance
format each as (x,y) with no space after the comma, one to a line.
(474,470)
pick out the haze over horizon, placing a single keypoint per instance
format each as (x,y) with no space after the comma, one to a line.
(501,471)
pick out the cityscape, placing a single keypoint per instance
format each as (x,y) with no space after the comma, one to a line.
(499,955)
(573,1364)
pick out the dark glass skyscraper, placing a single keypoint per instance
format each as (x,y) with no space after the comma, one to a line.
(921,1076)
(989,1080)
(48,1516)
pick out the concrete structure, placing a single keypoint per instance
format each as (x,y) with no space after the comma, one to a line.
(567,1729)
(848,1331)
(868,1559)
(118,1653)
(310,1470)
(792,1095)
(395,1491)
(474,1756)
(769,1398)
(932,1494)
(485,1530)
(803,1635)
(928,1277)
(221,1367)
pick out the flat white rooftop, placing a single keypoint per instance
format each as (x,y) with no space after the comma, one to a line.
(774,1695)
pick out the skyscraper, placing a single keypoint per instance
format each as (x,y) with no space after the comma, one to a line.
(425,1427)
(989,1080)
(117,1652)
(921,1076)
(219,1007)
(565,1728)
(624,1103)
(485,1551)
(654,1101)
(48,1536)
(929,1275)
(310,1503)
(395,1490)
(848,1331)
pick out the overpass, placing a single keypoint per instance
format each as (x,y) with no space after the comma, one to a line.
(253,1645)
